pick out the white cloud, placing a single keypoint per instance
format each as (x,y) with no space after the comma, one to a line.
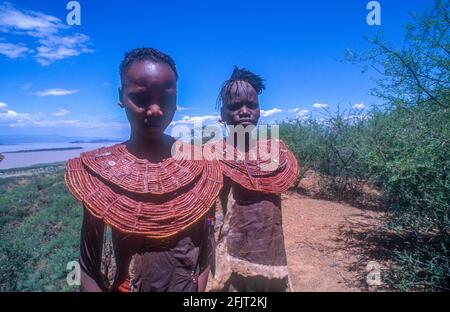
(357,117)
(106,84)
(32,23)
(53,48)
(61,112)
(100,124)
(320,106)
(14,119)
(12,116)
(42,123)
(13,50)
(51,45)
(270,112)
(300,113)
(10,113)
(197,119)
(359,106)
(182,108)
(55,92)
(72,123)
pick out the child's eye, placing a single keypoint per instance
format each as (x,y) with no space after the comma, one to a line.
(139,101)
(233,107)
(169,101)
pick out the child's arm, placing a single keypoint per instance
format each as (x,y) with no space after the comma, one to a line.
(223,195)
(91,247)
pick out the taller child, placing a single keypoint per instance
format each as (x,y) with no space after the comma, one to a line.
(155,204)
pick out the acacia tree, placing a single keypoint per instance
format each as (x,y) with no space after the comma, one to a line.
(418,70)
(406,144)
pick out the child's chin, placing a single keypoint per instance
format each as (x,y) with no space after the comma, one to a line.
(153,134)
(247,124)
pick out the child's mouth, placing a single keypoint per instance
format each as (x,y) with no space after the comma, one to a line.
(150,124)
(245,122)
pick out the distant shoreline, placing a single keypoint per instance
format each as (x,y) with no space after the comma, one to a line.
(95,141)
(45,150)
(32,170)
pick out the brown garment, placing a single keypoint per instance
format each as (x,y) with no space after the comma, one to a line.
(256,233)
(251,248)
(252,235)
(144,264)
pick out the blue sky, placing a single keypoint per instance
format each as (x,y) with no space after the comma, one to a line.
(60,79)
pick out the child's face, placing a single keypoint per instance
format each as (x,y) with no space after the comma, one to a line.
(241,106)
(149,94)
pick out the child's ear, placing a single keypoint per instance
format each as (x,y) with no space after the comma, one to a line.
(119,90)
(119,102)
(222,115)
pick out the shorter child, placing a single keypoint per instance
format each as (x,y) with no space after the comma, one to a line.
(251,254)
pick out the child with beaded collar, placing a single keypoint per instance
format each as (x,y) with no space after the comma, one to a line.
(155,205)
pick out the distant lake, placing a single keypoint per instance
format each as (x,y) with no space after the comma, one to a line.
(26,159)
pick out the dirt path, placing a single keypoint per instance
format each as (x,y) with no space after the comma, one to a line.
(329,244)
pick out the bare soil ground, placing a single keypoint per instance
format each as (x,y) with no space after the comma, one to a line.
(329,244)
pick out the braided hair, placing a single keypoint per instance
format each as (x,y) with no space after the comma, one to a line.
(239,75)
(151,54)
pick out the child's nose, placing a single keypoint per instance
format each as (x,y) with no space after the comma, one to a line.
(244,110)
(154,110)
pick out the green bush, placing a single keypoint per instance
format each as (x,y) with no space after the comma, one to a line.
(401,148)
(330,146)
(40,233)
